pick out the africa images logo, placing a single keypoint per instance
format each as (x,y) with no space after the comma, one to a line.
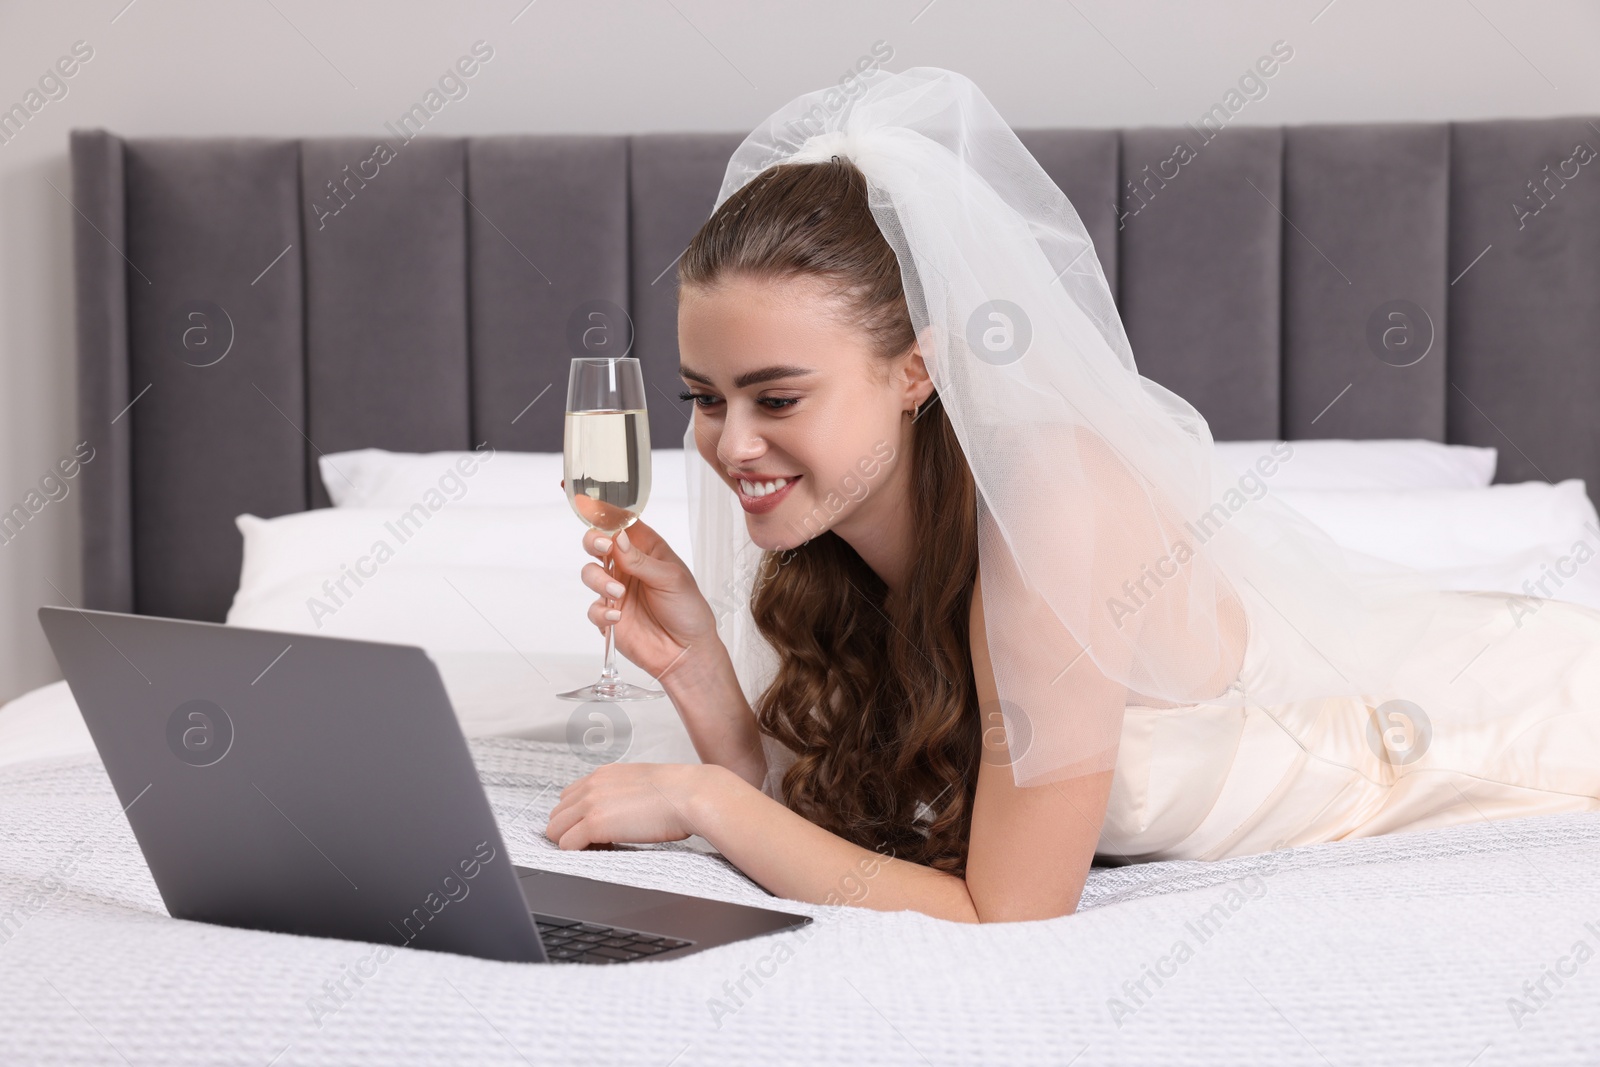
(199,732)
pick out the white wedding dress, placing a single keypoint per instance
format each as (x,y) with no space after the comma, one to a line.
(1493,738)
(1369,699)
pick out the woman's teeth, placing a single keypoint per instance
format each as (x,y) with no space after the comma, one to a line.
(762,488)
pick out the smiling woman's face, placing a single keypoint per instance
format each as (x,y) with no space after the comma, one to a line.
(793,409)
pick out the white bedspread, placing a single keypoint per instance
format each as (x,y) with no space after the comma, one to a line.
(1406,949)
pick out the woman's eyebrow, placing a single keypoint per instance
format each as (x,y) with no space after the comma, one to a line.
(754,377)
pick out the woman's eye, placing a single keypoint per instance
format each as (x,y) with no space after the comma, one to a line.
(686,396)
(708,400)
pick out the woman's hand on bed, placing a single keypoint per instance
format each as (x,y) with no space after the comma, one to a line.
(635,803)
(662,613)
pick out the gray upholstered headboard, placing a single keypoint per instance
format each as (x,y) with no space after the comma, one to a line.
(420,298)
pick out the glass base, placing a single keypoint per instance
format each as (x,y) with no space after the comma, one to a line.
(613,691)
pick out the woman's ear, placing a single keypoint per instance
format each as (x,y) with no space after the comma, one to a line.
(915,382)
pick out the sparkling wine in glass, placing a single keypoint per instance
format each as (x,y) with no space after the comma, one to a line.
(607,454)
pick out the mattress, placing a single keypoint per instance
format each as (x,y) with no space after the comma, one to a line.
(1472,944)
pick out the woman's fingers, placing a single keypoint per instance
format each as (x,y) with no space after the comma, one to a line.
(632,560)
(561,819)
(643,534)
(570,822)
(638,550)
(651,542)
(575,838)
(595,577)
(598,614)
(593,539)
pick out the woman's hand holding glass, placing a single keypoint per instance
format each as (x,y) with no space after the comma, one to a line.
(663,617)
(665,625)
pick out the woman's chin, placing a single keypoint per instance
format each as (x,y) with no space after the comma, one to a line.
(771,533)
(769,537)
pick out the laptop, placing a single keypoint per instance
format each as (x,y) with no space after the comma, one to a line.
(322,786)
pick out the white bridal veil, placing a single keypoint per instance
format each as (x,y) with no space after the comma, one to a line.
(1119,565)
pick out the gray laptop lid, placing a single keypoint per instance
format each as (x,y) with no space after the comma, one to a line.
(301,784)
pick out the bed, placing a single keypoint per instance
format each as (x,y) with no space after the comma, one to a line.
(250,310)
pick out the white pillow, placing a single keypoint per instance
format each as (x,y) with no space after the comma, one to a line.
(374,478)
(1495,538)
(1340,464)
(457,579)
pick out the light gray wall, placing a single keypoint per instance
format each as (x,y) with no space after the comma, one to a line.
(306,67)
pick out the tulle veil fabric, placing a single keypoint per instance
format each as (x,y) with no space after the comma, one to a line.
(1119,564)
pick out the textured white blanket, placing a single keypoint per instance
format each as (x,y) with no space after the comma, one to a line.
(1474,945)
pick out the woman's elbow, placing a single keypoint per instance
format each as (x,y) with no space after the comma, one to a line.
(1003,909)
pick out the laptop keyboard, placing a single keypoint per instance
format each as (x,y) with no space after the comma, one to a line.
(570,941)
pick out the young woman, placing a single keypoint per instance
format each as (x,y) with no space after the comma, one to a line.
(875,767)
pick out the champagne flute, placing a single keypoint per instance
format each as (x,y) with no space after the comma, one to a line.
(607,456)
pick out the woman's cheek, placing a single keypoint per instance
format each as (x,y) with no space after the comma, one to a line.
(705,440)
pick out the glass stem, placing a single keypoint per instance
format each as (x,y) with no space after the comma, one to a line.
(609,675)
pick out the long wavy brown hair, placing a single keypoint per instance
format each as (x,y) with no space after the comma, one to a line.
(874,693)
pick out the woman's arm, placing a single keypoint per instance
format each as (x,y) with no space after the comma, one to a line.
(794,858)
(665,625)
(704,687)
(1028,856)
(782,851)
(1031,847)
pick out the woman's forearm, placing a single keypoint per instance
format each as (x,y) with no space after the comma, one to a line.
(796,859)
(705,689)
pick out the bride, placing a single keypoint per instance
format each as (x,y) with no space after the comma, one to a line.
(973,606)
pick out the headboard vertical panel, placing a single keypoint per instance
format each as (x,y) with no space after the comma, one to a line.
(673,185)
(105,495)
(1525,295)
(1201,265)
(372,305)
(386,296)
(214,360)
(1085,165)
(1364,280)
(549,259)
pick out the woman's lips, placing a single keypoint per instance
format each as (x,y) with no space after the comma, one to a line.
(758,505)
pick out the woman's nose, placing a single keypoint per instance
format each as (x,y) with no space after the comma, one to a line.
(740,442)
